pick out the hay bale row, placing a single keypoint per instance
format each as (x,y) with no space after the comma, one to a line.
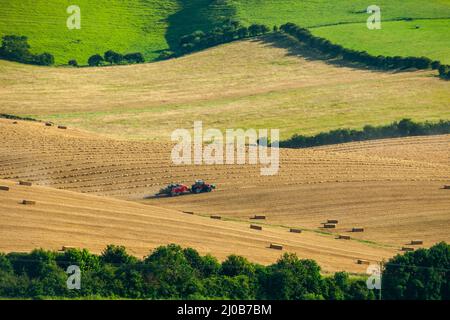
(4,188)
(188,212)
(407,249)
(28,202)
(344,237)
(333,221)
(25,183)
(62,127)
(360,261)
(276,246)
(295,230)
(255,227)
(258,218)
(358,230)
(216,217)
(48,124)
(447,187)
(329,226)
(416,242)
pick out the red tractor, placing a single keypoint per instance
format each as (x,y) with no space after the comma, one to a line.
(200,187)
(173,190)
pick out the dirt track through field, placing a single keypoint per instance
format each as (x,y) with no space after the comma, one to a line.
(391,188)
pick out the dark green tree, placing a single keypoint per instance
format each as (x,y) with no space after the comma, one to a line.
(15,48)
(117,255)
(95,60)
(168,271)
(73,63)
(293,279)
(236,265)
(420,275)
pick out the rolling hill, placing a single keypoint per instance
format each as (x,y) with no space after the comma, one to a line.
(63,218)
(150,26)
(392,189)
(271,82)
(94,182)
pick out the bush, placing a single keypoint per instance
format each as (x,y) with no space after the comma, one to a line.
(420,275)
(73,63)
(335,50)
(44,59)
(166,54)
(292,279)
(135,57)
(16,48)
(117,255)
(95,60)
(171,272)
(113,57)
(235,265)
(229,31)
(403,128)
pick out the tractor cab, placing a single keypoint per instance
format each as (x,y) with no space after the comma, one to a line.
(201,186)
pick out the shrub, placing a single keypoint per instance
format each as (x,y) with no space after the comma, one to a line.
(166,54)
(334,50)
(95,60)
(73,63)
(229,31)
(403,128)
(113,57)
(117,255)
(16,48)
(135,57)
(423,274)
(171,272)
(44,59)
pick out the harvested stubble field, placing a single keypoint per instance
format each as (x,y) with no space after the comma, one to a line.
(63,218)
(269,82)
(391,188)
(396,196)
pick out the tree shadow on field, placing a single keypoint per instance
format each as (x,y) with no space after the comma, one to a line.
(297,49)
(196,15)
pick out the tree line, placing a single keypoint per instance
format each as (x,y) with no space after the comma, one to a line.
(112,57)
(333,50)
(16,48)
(230,30)
(171,272)
(403,128)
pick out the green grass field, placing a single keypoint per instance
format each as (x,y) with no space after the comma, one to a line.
(150,26)
(344,22)
(258,83)
(322,12)
(147,26)
(407,38)
(124,26)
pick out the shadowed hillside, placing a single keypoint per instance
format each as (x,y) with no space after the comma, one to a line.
(197,15)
